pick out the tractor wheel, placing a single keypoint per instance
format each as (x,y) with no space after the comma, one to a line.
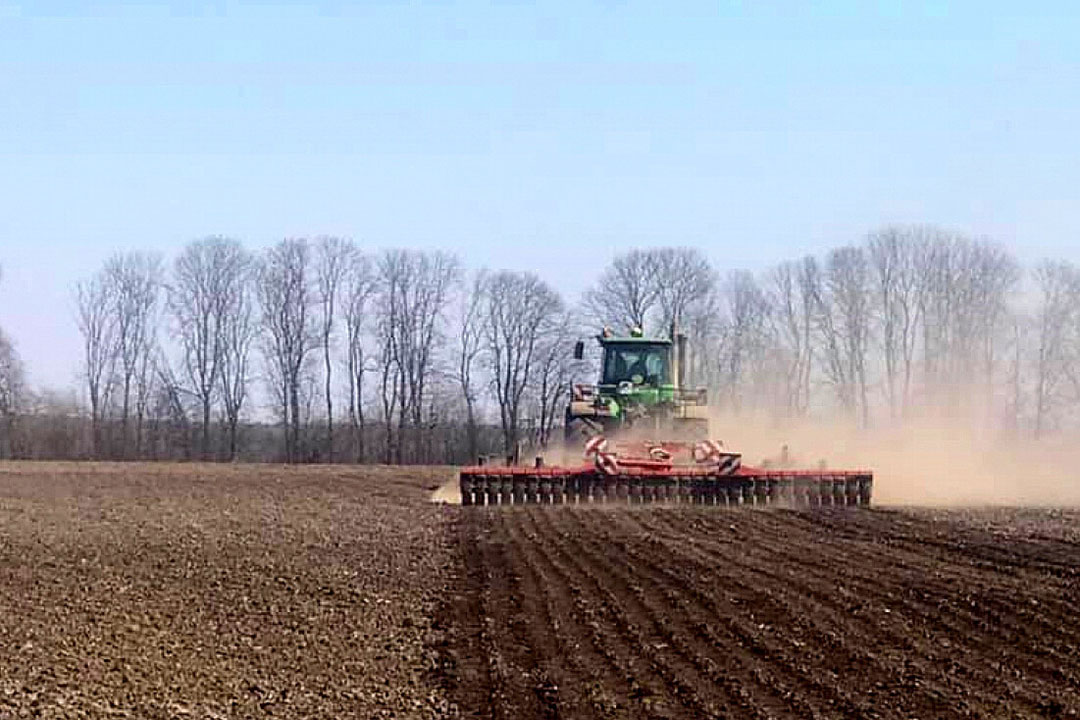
(582,429)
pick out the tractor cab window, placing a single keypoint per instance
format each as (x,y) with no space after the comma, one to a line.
(639,364)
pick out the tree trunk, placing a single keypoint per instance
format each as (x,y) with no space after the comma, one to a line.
(294,409)
(329,410)
(471,431)
(232,439)
(206,428)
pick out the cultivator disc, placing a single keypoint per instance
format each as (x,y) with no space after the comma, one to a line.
(671,473)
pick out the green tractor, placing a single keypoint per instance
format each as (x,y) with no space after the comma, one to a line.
(642,388)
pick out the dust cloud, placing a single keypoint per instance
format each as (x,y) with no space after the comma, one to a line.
(936,461)
(558,453)
(448,493)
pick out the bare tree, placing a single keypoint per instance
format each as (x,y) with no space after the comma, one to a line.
(199,295)
(1019,337)
(996,276)
(171,408)
(683,278)
(146,376)
(391,367)
(553,375)
(964,312)
(1056,322)
(626,292)
(913,314)
(521,309)
(12,387)
(98,326)
(744,339)
(704,326)
(135,279)
(844,325)
(333,256)
(793,303)
(360,286)
(810,282)
(12,384)
(414,289)
(237,334)
(470,345)
(285,298)
(651,288)
(898,257)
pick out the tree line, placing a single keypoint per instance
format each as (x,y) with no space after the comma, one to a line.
(321,351)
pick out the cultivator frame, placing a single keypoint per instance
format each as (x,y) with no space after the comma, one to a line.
(668,473)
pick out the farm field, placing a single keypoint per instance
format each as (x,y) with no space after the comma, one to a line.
(210,591)
(163,591)
(845,613)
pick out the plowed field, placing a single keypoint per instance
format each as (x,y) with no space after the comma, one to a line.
(661,613)
(209,591)
(197,591)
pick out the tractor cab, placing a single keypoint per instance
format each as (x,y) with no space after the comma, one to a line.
(641,380)
(638,362)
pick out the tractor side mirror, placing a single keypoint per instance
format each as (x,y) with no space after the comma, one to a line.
(579,349)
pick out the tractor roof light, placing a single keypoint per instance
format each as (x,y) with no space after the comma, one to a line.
(606,332)
(637,332)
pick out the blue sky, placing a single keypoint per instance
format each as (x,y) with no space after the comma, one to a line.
(542,136)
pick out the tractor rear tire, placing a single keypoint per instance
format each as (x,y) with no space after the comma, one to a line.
(582,429)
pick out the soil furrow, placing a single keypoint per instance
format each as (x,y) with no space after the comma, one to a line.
(638,691)
(499,608)
(774,672)
(1043,644)
(922,581)
(988,669)
(956,559)
(828,620)
(663,608)
(580,685)
(637,631)
(680,612)
(818,635)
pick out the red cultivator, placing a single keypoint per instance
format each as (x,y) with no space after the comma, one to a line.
(703,473)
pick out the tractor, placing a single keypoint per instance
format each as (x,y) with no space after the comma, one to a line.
(641,389)
(644,437)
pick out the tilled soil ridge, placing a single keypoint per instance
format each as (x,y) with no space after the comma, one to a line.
(679,613)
